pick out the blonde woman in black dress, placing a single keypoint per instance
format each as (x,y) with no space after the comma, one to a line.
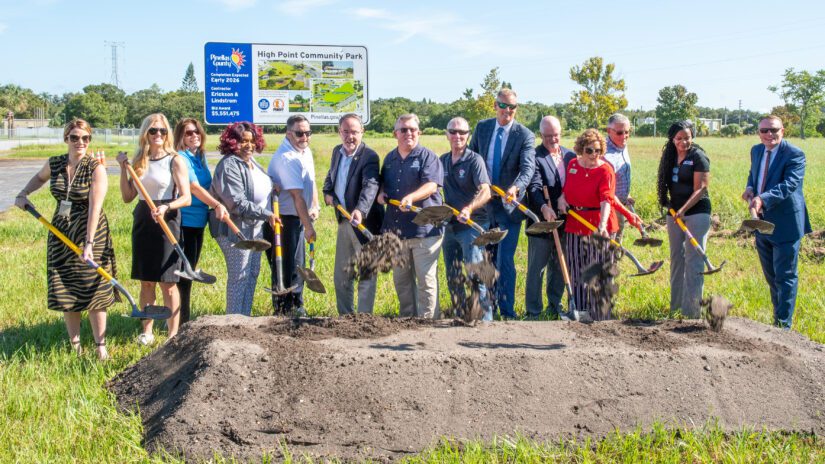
(165,176)
(78,183)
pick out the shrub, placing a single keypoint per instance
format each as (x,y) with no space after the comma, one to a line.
(731,130)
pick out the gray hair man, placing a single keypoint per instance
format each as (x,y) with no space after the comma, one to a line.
(543,193)
(617,154)
(466,188)
(352,182)
(412,175)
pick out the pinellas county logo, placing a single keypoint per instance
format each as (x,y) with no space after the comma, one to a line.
(238,59)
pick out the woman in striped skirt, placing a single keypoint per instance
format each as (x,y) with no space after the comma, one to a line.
(589,190)
(164,175)
(78,183)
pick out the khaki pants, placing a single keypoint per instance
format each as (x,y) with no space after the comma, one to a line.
(347,246)
(417,281)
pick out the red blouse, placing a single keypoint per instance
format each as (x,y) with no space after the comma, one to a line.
(587,188)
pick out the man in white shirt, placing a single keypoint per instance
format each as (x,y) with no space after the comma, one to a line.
(292,170)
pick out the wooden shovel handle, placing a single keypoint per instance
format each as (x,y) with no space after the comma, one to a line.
(151,203)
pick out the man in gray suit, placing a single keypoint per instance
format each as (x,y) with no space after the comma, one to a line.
(508,151)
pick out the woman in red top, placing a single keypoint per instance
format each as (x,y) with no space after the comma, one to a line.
(589,190)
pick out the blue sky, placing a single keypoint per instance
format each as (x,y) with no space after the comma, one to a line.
(722,51)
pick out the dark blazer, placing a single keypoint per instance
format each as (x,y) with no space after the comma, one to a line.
(362,187)
(517,162)
(783,202)
(546,175)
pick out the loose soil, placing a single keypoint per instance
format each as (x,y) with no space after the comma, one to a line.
(361,387)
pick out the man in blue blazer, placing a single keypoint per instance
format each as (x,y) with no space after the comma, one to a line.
(774,190)
(507,148)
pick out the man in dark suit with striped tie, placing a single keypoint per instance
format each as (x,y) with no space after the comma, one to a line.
(774,190)
(507,148)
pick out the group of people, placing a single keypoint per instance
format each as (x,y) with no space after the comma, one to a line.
(593,180)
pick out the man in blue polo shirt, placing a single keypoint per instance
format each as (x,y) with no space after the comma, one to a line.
(467,189)
(618,132)
(412,174)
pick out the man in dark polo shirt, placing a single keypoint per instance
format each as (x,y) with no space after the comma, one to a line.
(467,189)
(412,175)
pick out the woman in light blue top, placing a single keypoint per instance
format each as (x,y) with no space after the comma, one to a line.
(190,138)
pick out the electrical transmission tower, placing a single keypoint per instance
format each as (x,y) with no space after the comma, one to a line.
(114,45)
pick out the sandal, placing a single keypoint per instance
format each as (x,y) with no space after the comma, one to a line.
(102,354)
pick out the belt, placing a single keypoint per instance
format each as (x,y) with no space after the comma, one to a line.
(581,208)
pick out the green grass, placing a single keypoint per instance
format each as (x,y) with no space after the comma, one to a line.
(54,407)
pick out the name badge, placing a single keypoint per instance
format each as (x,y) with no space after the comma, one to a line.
(688,162)
(573,170)
(65,208)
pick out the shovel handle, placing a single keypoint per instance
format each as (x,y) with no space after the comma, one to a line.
(151,203)
(232,225)
(592,228)
(396,203)
(76,249)
(469,222)
(521,207)
(348,217)
(639,226)
(753,212)
(686,231)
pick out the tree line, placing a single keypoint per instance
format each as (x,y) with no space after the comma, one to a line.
(600,94)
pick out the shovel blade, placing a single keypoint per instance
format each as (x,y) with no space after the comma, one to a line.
(311,280)
(433,215)
(714,270)
(197,276)
(544,227)
(648,241)
(490,237)
(151,312)
(758,225)
(281,292)
(653,268)
(254,245)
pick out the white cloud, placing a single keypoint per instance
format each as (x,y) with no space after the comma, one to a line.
(300,7)
(443,28)
(234,5)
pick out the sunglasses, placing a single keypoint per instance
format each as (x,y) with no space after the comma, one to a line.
(772,130)
(591,150)
(77,138)
(675,177)
(503,105)
(190,133)
(404,130)
(300,134)
(154,131)
(457,131)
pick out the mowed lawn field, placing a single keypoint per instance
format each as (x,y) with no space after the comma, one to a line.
(54,407)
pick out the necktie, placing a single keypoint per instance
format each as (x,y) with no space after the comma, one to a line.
(765,171)
(497,155)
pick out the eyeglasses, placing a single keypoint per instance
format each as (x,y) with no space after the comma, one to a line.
(404,130)
(300,134)
(772,130)
(190,133)
(77,138)
(591,150)
(457,131)
(154,131)
(621,132)
(503,105)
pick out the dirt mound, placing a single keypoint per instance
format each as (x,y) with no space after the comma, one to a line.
(364,387)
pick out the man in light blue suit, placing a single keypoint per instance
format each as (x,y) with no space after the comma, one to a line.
(509,153)
(774,190)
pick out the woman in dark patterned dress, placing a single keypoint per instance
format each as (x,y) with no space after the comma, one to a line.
(78,183)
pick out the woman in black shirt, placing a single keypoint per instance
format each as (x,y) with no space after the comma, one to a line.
(684,174)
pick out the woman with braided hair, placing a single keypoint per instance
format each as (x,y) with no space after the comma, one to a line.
(684,175)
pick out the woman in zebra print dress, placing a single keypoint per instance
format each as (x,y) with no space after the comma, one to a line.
(78,183)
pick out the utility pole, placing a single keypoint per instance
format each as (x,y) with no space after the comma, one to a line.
(740,113)
(114,80)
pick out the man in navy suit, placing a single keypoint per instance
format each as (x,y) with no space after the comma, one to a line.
(774,190)
(543,194)
(352,182)
(507,148)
